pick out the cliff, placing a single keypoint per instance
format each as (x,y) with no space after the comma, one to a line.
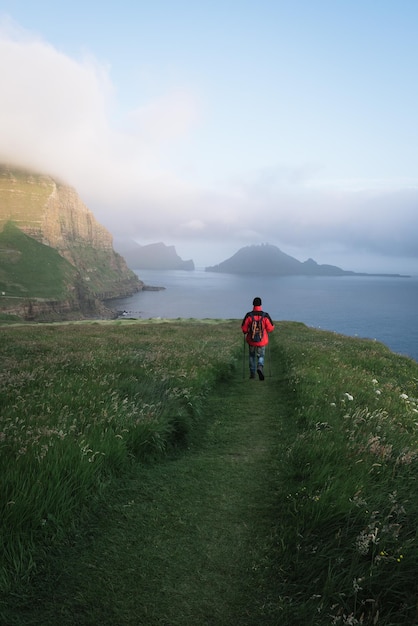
(52,214)
(154,256)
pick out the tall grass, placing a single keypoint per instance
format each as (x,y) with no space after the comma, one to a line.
(79,404)
(347,527)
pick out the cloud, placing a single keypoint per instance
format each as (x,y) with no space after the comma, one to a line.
(52,107)
(294,210)
(192,227)
(58,114)
(62,115)
(166,118)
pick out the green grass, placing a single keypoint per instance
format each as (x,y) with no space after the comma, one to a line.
(186,541)
(145,480)
(80,404)
(30,269)
(350,552)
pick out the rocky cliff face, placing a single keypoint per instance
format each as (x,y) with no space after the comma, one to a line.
(53,214)
(65,221)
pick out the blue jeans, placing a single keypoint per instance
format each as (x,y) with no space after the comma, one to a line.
(256,357)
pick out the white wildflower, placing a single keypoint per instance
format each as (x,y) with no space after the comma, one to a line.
(403,396)
(349,396)
(374,381)
(350,620)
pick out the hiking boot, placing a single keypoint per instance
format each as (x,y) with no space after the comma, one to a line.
(260,372)
(252,374)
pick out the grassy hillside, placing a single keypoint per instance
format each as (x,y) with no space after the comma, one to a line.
(104,271)
(85,405)
(30,269)
(53,213)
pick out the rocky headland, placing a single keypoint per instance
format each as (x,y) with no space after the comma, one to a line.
(56,259)
(154,256)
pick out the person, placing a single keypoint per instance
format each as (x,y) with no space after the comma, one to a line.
(257,342)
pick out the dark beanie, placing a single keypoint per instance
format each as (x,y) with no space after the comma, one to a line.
(257,302)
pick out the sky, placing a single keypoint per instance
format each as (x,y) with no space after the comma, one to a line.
(218,124)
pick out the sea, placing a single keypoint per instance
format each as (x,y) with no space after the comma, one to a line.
(381,308)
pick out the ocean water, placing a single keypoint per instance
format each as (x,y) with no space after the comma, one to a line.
(381,308)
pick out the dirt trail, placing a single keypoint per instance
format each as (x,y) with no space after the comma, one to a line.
(188,541)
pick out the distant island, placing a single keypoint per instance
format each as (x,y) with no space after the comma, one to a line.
(154,256)
(269,259)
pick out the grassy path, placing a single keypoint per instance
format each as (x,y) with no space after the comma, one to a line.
(189,541)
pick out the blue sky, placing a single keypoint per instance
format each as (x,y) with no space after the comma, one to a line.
(213,125)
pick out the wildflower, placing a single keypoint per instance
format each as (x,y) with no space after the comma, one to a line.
(366,538)
(393,496)
(349,397)
(358,501)
(350,619)
(363,542)
(378,448)
(378,392)
(400,557)
(374,381)
(403,396)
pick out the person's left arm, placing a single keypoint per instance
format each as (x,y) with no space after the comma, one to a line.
(268,323)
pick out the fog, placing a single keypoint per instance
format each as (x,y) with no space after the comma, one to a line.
(144,170)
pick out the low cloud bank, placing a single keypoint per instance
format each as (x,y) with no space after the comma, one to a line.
(60,115)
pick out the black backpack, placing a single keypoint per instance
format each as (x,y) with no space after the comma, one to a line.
(256,330)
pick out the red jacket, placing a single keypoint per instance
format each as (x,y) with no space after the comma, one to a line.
(268,326)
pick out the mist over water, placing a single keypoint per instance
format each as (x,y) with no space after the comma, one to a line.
(380,308)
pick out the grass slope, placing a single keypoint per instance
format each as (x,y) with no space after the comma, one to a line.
(189,541)
(290,501)
(30,269)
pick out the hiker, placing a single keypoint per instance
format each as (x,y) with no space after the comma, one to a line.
(257,325)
